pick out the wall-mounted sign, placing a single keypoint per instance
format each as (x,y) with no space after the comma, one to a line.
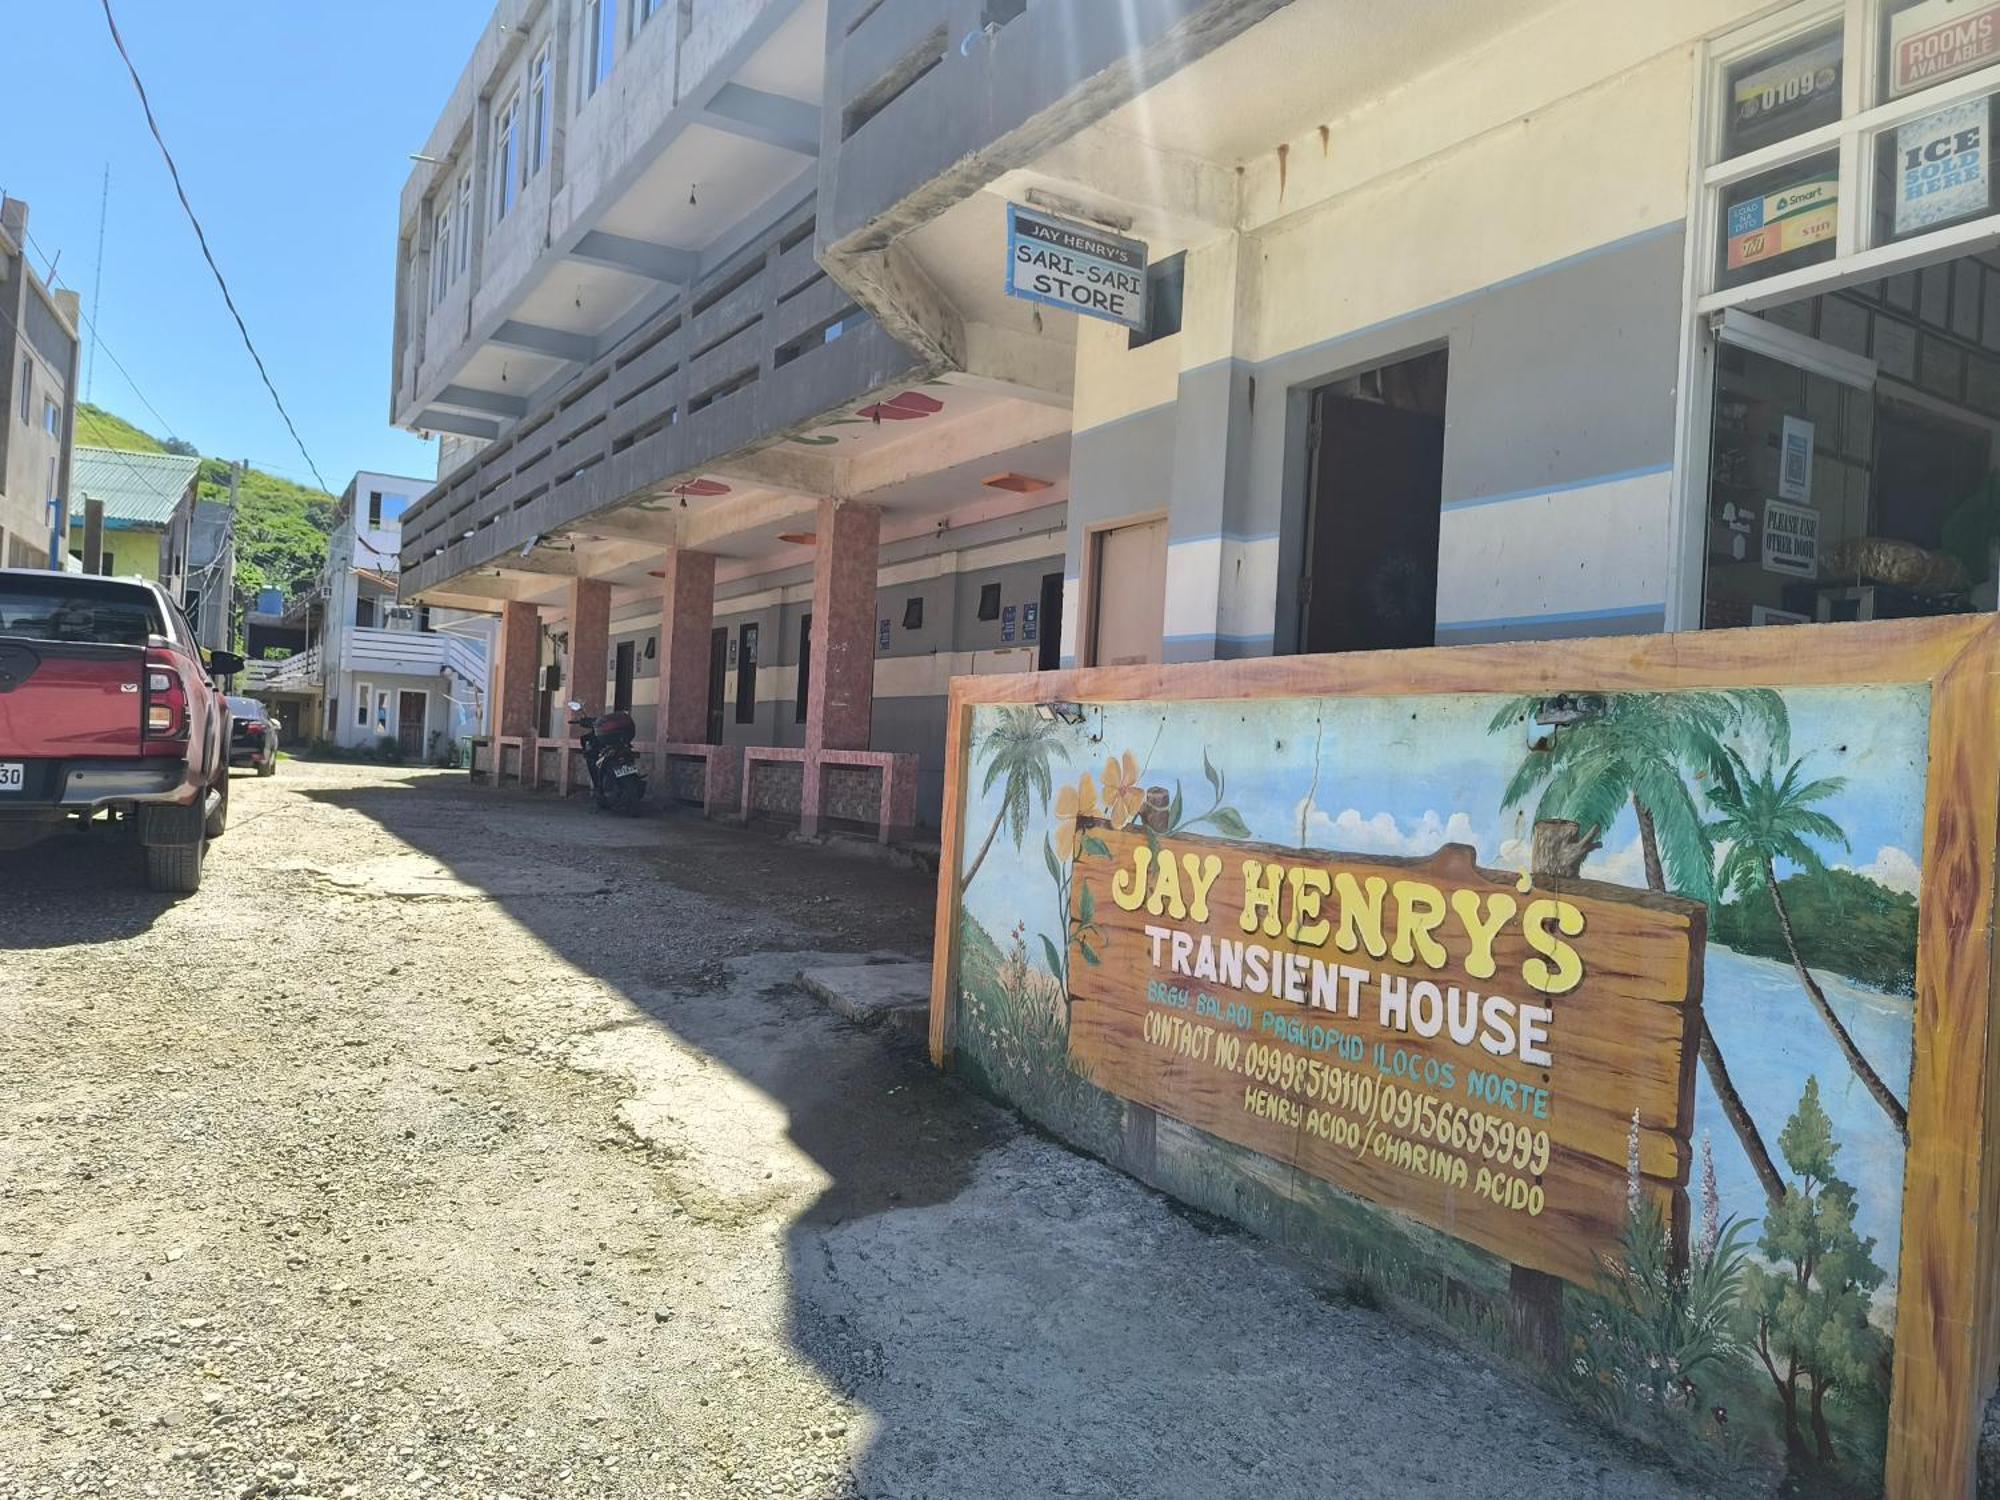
(1944,168)
(1795,217)
(732,656)
(1030,618)
(1073,266)
(882,634)
(1941,39)
(1795,456)
(1775,98)
(1007,619)
(1791,539)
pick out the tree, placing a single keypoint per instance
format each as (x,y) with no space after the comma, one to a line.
(1765,819)
(1017,752)
(1806,1314)
(1639,751)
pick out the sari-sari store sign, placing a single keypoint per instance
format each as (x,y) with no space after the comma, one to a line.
(1499,1058)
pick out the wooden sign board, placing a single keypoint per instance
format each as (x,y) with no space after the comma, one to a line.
(1478,1051)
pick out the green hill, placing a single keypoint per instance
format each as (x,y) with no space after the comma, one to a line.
(281,527)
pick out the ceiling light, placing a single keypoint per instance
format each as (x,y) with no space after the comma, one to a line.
(1020,484)
(799,538)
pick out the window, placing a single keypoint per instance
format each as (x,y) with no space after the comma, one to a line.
(989,601)
(746,674)
(913,612)
(107,565)
(644,11)
(27,387)
(622,673)
(538,114)
(364,612)
(374,509)
(805,665)
(441,256)
(600,44)
(424,619)
(51,423)
(506,126)
(382,711)
(464,263)
(1164,283)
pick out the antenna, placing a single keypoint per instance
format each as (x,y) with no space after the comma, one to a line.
(97,284)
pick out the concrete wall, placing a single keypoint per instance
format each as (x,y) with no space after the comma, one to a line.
(1559,307)
(39,328)
(350,733)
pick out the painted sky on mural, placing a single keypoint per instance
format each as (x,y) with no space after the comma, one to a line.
(1402,776)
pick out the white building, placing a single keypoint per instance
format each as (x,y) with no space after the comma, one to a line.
(375,669)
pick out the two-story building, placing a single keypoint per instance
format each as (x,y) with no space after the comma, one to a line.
(40,362)
(373,667)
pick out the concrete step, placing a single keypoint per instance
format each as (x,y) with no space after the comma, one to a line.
(896,994)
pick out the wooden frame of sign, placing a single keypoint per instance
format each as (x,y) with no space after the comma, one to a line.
(1947,1337)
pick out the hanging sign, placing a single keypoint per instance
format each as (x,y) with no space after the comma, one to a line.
(1791,539)
(1794,218)
(1941,39)
(1944,168)
(1074,266)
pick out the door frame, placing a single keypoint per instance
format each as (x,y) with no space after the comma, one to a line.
(1093,556)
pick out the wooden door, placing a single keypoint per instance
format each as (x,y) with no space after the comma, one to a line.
(412,710)
(1129,596)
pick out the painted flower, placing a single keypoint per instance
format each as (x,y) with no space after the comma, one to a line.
(1123,796)
(1072,803)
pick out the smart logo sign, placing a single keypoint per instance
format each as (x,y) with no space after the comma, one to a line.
(1499,1057)
(1074,266)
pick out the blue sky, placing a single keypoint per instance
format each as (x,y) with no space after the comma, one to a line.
(292,125)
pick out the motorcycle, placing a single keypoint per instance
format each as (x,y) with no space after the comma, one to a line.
(616,781)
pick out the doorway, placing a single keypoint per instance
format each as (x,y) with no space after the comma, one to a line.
(412,714)
(1128,593)
(622,674)
(718,666)
(1375,484)
(1048,653)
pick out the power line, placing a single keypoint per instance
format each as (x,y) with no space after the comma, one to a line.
(173,171)
(97,281)
(97,341)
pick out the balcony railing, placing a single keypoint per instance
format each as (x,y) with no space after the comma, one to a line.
(412,653)
(764,345)
(297,673)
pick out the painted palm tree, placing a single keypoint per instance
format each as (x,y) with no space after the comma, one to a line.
(1641,750)
(1017,752)
(1766,818)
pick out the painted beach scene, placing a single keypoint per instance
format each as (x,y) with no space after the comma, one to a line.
(1580,1031)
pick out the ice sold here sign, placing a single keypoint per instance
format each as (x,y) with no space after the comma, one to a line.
(1074,266)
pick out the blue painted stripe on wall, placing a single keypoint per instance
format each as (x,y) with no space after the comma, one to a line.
(1554,617)
(1218,635)
(1557,489)
(1223,536)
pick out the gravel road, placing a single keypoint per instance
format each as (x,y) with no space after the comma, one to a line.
(452,1144)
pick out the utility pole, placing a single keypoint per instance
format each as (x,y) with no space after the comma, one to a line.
(93,535)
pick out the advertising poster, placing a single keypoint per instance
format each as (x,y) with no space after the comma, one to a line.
(1941,39)
(1791,539)
(1773,98)
(1008,616)
(1944,167)
(1608,1033)
(1771,225)
(1795,456)
(1030,621)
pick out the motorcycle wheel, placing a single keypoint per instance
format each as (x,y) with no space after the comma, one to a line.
(627,793)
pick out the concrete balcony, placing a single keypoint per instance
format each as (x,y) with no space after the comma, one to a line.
(765,344)
(297,673)
(412,653)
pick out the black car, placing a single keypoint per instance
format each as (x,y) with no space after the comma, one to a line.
(253,736)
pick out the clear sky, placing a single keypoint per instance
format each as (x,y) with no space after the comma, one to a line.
(293,126)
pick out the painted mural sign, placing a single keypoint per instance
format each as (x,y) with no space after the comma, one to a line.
(1463,1045)
(1076,267)
(1453,997)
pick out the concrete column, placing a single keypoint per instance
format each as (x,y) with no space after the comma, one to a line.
(840,700)
(589,642)
(687,616)
(520,651)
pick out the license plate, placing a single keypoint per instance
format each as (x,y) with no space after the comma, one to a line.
(13,776)
(625,771)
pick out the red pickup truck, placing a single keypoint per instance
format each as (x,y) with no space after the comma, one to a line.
(109,721)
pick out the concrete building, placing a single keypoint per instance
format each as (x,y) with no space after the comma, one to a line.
(372,667)
(673,439)
(150,501)
(1521,320)
(40,361)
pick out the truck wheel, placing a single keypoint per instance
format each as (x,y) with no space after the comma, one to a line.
(217,822)
(174,868)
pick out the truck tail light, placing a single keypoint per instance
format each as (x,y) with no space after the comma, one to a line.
(166,698)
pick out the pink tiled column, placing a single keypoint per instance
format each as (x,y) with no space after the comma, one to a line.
(840,698)
(520,634)
(687,616)
(589,641)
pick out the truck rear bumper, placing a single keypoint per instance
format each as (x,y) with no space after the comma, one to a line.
(58,787)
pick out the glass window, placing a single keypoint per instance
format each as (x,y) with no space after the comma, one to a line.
(538,112)
(361,706)
(1781,92)
(51,420)
(441,256)
(505,129)
(465,224)
(27,387)
(600,48)
(1779,220)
